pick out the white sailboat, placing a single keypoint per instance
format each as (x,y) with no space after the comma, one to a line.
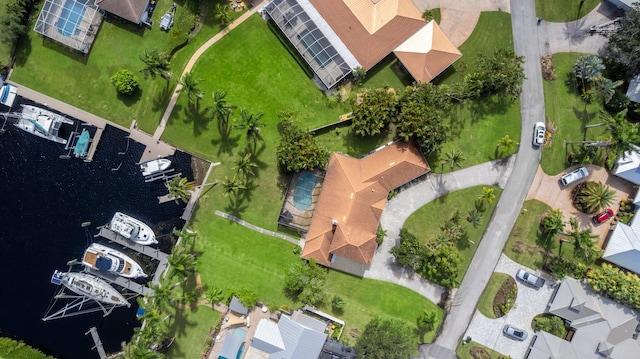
(91,287)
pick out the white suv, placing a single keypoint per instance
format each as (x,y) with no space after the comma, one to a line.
(539,131)
(573,176)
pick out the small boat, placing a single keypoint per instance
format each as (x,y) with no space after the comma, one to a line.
(103,258)
(82,145)
(8,95)
(132,229)
(152,167)
(90,286)
(42,123)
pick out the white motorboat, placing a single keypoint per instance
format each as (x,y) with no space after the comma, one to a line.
(107,259)
(152,167)
(42,123)
(132,229)
(90,286)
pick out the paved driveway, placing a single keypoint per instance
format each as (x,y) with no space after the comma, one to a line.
(529,303)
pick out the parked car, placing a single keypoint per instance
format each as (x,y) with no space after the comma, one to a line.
(514,332)
(539,131)
(529,278)
(603,216)
(573,176)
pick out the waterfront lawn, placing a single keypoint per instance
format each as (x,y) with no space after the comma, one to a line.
(83,81)
(425,223)
(568,113)
(564,10)
(464,351)
(485,305)
(5,49)
(191,328)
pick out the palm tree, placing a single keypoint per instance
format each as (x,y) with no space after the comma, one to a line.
(553,222)
(251,124)
(156,63)
(505,145)
(426,320)
(220,110)
(583,242)
(215,295)
(233,186)
(607,88)
(180,189)
(162,297)
(623,133)
(588,68)
(186,234)
(487,195)
(182,262)
(475,218)
(222,14)
(454,158)
(244,166)
(190,87)
(596,196)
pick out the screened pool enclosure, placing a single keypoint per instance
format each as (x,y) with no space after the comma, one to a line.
(73,23)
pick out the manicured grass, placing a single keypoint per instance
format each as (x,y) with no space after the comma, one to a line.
(83,81)
(485,306)
(5,50)
(464,351)
(442,209)
(564,10)
(191,329)
(568,113)
(388,72)
(493,31)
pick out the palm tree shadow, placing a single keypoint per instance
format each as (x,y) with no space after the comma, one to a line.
(235,206)
(162,97)
(226,144)
(247,193)
(199,117)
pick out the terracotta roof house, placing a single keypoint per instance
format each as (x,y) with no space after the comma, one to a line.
(132,10)
(342,234)
(340,35)
(602,327)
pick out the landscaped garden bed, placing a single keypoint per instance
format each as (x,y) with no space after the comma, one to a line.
(505,297)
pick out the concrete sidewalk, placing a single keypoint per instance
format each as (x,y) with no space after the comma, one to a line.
(398,209)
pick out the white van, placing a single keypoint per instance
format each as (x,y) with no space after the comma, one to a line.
(573,176)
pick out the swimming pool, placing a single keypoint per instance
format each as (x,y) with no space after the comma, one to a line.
(303,194)
(70,16)
(240,333)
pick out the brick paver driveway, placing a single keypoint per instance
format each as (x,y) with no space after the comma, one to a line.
(529,303)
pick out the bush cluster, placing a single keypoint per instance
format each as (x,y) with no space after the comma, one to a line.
(622,286)
(125,81)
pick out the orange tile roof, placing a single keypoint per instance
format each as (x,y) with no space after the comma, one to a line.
(354,193)
(427,53)
(371,29)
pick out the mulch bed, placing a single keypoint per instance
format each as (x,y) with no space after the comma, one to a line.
(502,296)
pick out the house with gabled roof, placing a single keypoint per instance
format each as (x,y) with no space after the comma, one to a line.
(602,328)
(336,36)
(131,10)
(342,234)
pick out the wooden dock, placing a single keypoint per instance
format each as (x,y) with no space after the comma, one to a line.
(94,144)
(97,341)
(123,282)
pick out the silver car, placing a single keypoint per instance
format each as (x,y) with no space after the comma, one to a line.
(514,333)
(539,131)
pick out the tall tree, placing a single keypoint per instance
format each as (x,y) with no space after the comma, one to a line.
(454,158)
(298,150)
(623,44)
(251,124)
(244,166)
(190,87)
(624,134)
(182,262)
(180,189)
(596,196)
(306,281)
(374,111)
(220,110)
(155,63)
(505,145)
(584,242)
(233,186)
(587,69)
(222,13)
(385,339)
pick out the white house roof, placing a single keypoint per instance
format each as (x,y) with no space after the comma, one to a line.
(623,248)
(633,92)
(267,337)
(289,339)
(628,167)
(549,346)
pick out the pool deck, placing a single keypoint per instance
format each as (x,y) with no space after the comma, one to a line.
(255,315)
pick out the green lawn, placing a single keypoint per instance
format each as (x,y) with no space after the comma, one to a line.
(442,209)
(564,10)
(567,112)
(83,81)
(5,50)
(191,329)
(388,72)
(485,305)
(464,351)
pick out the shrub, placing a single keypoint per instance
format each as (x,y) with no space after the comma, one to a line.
(551,324)
(125,81)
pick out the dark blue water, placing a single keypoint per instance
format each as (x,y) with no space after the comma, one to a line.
(43,201)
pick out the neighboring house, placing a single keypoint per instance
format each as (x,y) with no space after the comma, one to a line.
(336,36)
(633,92)
(237,308)
(623,245)
(601,327)
(342,234)
(131,10)
(623,4)
(628,166)
(293,337)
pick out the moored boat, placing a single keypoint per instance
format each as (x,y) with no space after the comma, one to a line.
(42,123)
(82,144)
(132,229)
(103,258)
(90,286)
(152,167)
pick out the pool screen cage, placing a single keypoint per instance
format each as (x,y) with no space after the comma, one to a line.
(73,23)
(290,215)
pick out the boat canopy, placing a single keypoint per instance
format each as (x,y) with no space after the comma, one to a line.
(103,263)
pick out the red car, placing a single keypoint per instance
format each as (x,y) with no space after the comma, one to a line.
(603,217)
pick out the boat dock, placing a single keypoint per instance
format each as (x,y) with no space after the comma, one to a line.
(146,250)
(98,342)
(154,147)
(122,281)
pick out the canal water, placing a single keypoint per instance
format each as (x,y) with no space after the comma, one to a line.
(44,200)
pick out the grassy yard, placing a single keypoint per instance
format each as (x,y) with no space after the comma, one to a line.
(464,351)
(564,10)
(567,112)
(485,305)
(191,329)
(83,81)
(5,50)
(443,208)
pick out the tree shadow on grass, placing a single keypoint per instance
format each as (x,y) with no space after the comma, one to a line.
(130,100)
(64,50)
(225,144)
(162,98)
(361,145)
(236,206)
(488,105)
(194,113)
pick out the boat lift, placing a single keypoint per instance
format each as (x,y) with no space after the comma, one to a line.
(75,304)
(606,28)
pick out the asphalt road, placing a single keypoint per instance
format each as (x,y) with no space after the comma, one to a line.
(525,36)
